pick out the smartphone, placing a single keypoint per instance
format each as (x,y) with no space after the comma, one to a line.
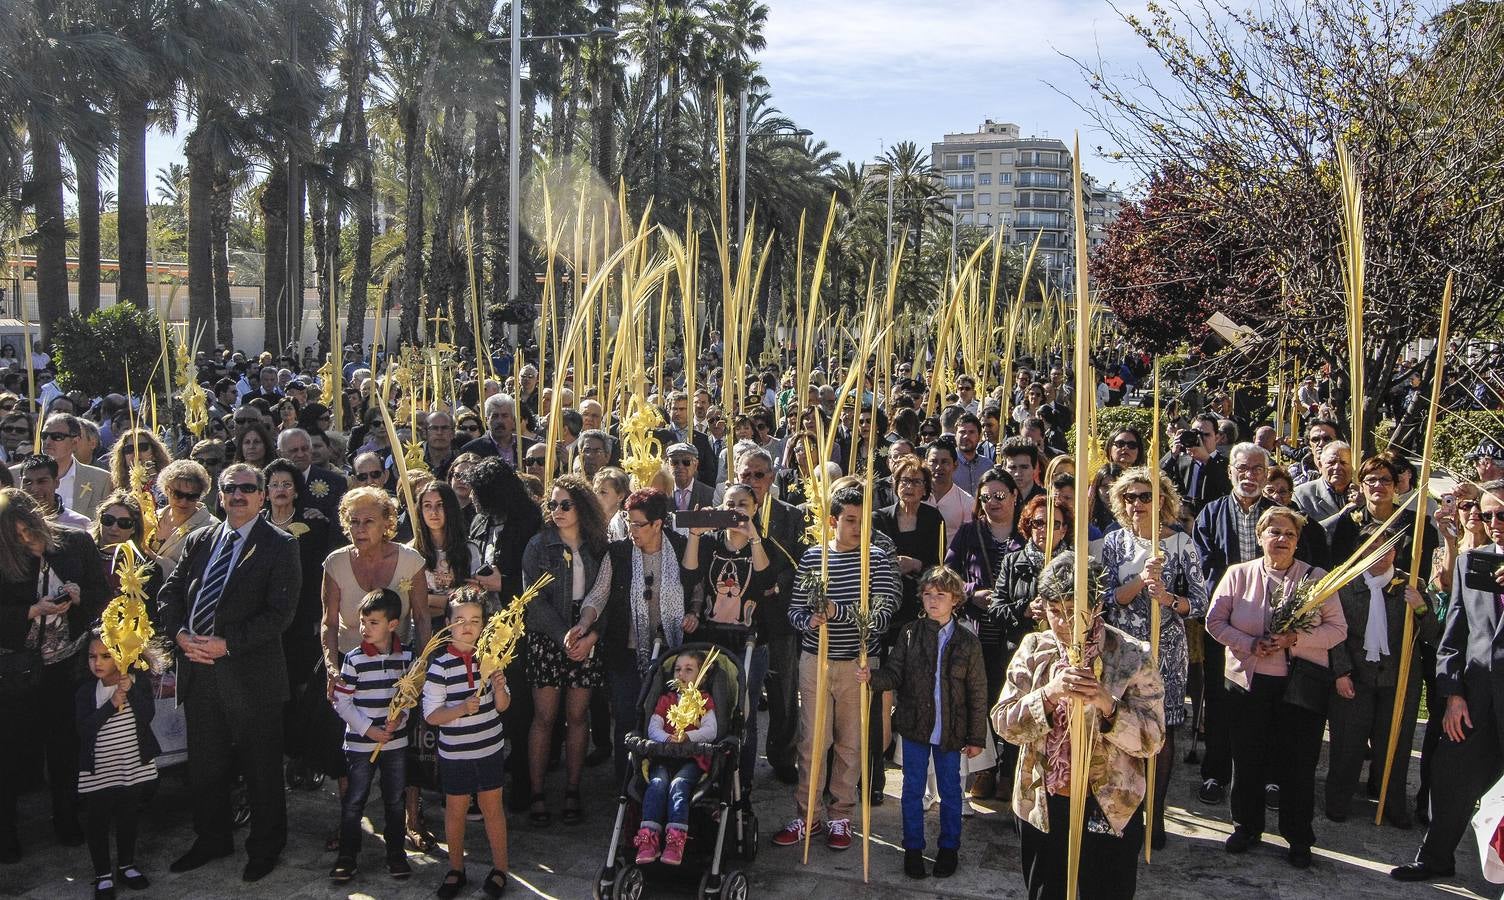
(1481,569)
(708,518)
(484,571)
(1190,438)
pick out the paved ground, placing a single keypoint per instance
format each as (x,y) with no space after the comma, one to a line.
(560,862)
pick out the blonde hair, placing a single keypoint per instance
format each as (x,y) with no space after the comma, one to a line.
(945,579)
(1169,495)
(374,496)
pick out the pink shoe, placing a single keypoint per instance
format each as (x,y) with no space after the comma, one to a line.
(673,850)
(646,843)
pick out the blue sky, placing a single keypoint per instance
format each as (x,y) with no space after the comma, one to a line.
(863,74)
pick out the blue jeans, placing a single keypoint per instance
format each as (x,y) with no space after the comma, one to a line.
(755,677)
(916,767)
(393,767)
(670,784)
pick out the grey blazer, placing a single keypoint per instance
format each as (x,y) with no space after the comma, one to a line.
(1470,656)
(1316,500)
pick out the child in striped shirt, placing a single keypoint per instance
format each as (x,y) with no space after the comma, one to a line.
(470,742)
(114,710)
(367,682)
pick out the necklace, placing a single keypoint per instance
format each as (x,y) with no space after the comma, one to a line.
(273,518)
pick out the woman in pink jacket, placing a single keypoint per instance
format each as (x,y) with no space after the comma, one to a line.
(1277,687)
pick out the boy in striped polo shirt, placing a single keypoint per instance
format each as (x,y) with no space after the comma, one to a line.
(470,742)
(843,598)
(367,681)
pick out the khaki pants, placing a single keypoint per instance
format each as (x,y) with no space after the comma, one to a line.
(843,724)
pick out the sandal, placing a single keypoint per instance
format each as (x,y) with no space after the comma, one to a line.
(495,884)
(573,814)
(538,813)
(453,883)
(420,839)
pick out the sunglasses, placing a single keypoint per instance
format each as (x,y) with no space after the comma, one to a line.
(1125,445)
(368,476)
(531,461)
(248,487)
(1000,496)
(756,476)
(1138,496)
(110,521)
(1467,505)
(1497,514)
(15,429)
(58,436)
(682,461)
(186,495)
(562,505)
(211,462)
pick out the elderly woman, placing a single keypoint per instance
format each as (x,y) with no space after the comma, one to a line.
(571,548)
(52,588)
(372,560)
(1169,577)
(185,484)
(640,600)
(288,507)
(136,445)
(916,529)
(1280,487)
(1271,682)
(1120,688)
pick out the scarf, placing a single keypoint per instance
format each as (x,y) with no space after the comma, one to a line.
(668,593)
(1057,744)
(1376,634)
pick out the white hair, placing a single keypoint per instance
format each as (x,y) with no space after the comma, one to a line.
(496,402)
(1247,448)
(292,433)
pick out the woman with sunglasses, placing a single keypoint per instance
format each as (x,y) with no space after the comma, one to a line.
(137,445)
(1174,581)
(116,522)
(570,547)
(184,482)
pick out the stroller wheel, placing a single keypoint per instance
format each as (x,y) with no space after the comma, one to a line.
(735,886)
(604,879)
(629,884)
(749,836)
(710,886)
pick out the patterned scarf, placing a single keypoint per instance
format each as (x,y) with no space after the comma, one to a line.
(1057,744)
(668,593)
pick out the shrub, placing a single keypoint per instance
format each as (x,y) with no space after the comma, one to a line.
(93,354)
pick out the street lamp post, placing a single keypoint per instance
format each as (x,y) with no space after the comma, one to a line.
(743,136)
(514,140)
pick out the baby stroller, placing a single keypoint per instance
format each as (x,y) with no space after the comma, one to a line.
(721,821)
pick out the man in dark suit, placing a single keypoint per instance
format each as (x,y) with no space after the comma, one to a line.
(227,603)
(1199,472)
(689,492)
(501,436)
(325,486)
(1470,675)
(1225,535)
(680,430)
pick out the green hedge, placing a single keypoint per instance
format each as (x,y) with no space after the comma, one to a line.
(1111,418)
(94,353)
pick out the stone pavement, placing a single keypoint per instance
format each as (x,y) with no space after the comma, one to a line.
(560,862)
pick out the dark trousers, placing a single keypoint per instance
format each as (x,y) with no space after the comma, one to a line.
(626,688)
(222,742)
(1361,724)
(783,700)
(1109,864)
(756,675)
(1460,773)
(119,807)
(1436,708)
(1216,762)
(60,738)
(877,770)
(1273,742)
(517,719)
(391,765)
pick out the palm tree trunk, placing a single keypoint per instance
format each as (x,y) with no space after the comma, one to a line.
(52,229)
(365,235)
(274,296)
(222,199)
(200,229)
(131,177)
(412,247)
(603,97)
(86,176)
(323,214)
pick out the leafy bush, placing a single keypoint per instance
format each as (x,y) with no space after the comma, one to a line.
(1458,434)
(94,353)
(1111,418)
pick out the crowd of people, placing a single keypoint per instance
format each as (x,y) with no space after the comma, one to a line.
(292,587)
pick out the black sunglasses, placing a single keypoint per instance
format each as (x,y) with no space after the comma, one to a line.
(1125,445)
(368,476)
(57,436)
(1491,516)
(249,487)
(110,521)
(682,461)
(1138,497)
(565,505)
(531,461)
(186,495)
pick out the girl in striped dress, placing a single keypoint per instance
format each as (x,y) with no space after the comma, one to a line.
(116,753)
(470,742)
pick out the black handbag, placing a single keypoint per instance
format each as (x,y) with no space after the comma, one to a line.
(1309,685)
(20,673)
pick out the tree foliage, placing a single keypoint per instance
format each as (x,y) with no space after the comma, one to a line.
(94,353)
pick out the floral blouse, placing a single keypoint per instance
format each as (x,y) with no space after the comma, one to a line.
(1124,555)
(1023,717)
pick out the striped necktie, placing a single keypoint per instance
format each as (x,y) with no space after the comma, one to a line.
(218,574)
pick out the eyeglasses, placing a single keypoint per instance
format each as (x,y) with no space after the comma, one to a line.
(683,461)
(1320,439)
(58,436)
(1497,514)
(1250,470)
(634,524)
(110,521)
(1000,496)
(1125,445)
(756,476)
(15,429)
(1378,482)
(562,505)
(911,482)
(247,487)
(186,495)
(1138,497)
(369,476)
(1467,505)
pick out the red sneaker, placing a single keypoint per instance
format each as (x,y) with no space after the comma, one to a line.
(673,847)
(793,833)
(646,843)
(840,835)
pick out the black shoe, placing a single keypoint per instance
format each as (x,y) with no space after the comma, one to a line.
(344,870)
(257,868)
(132,878)
(104,887)
(1419,871)
(878,797)
(453,883)
(945,862)
(1401,821)
(1333,816)
(1157,840)
(198,855)
(68,832)
(913,864)
(1212,792)
(495,884)
(398,867)
(788,774)
(1240,841)
(573,813)
(597,756)
(1300,857)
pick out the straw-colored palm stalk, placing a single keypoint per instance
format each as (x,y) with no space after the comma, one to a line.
(409,688)
(1354,260)
(1154,611)
(497,644)
(1417,549)
(1080,735)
